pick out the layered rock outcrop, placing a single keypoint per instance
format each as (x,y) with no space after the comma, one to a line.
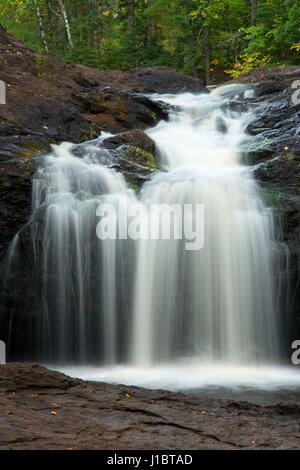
(276,159)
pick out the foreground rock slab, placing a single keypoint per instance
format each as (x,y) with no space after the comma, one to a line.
(43,409)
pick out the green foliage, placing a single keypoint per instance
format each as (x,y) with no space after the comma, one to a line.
(199,37)
(246,63)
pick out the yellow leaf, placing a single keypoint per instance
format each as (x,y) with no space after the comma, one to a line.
(296,47)
(53,412)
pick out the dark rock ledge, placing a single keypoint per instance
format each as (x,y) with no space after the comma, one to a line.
(275,157)
(46,410)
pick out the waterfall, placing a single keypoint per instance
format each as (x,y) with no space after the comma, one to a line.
(146,302)
(217,302)
(82,278)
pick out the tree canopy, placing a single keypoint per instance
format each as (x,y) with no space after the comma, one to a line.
(199,37)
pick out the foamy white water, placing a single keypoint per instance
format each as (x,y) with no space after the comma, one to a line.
(192,375)
(217,302)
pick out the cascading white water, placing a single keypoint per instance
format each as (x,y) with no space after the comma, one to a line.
(217,302)
(151,304)
(81,278)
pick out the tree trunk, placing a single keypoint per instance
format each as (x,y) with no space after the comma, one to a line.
(66,21)
(131,28)
(150,27)
(38,12)
(206,41)
(207,55)
(131,14)
(253,12)
(188,58)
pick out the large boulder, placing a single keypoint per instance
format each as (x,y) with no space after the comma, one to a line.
(161,80)
(136,156)
(114,110)
(133,153)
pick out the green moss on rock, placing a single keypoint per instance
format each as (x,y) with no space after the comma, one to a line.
(31,148)
(139,157)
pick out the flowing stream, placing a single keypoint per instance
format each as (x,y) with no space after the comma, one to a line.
(149,311)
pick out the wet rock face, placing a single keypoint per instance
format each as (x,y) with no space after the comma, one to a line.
(276,126)
(114,110)
(162,80)
(135,156)
(133,153)
(16,173)
(276,159)
(136,138)
(279,179)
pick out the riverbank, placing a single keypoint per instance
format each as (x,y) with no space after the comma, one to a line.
(46,410)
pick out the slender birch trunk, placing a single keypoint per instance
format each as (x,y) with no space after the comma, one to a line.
(38,12)
(66,21)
